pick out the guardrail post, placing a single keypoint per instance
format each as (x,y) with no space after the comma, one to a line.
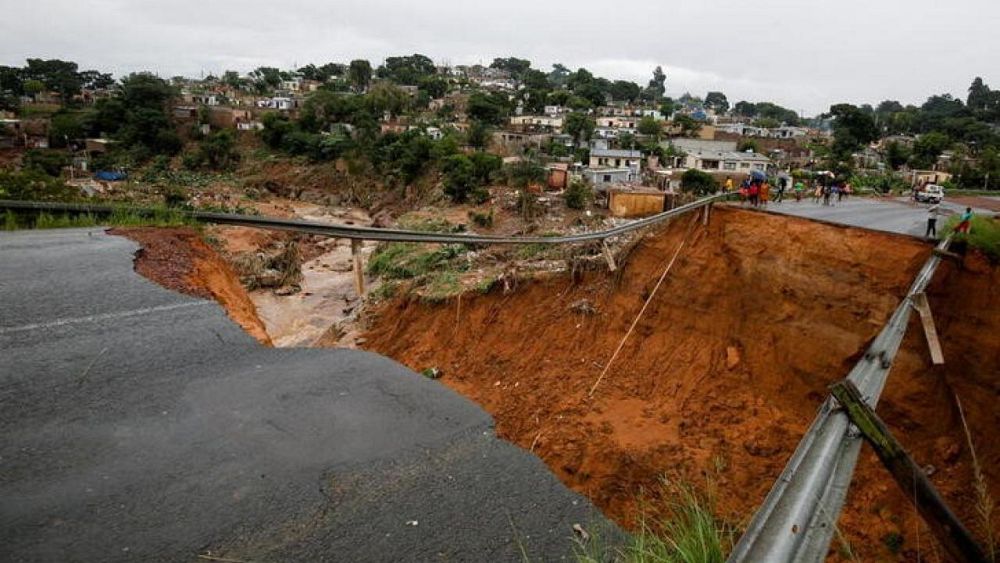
(359,271)
(912,480)
(707,211)
(608,256)
(930,331)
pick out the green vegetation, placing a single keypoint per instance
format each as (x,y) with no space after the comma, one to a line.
(698,182)
(407,260)
(120,218)
(578,195)
(983,235)
(689,532)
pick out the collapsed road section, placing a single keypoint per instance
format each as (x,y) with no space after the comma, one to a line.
(141,424)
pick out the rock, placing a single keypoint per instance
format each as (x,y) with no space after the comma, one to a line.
(732,357)
(584,307)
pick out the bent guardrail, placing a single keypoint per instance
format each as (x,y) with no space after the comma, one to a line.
(369,233)
(797,520)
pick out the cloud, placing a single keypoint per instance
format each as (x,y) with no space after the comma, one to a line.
(803,55)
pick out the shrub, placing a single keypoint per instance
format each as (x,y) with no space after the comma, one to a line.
(33,185)
(484,220)
(578,195)
(698,182)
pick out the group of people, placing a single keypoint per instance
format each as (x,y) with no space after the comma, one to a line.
(757,192)
(964,221)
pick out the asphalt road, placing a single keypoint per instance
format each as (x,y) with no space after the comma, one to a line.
(139,424)
(891,215)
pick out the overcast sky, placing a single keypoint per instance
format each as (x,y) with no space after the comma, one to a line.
(803,54)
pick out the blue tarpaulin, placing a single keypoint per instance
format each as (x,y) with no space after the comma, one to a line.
(110,176)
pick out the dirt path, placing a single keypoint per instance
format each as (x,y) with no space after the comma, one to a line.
(723,374)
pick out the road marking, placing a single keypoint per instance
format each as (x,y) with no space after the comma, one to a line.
(102,317)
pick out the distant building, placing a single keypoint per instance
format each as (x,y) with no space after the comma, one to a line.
(615,158)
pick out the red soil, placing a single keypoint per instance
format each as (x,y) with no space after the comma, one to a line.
(725,370)
(178,259)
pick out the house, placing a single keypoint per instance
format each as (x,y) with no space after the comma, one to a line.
(251,125)
(537,123)
(435,133)
(789,132)
(923,177)
(615,158)
(519,139)
(618,122)
(185,113)
(555,111)
(601,178)
(283,103)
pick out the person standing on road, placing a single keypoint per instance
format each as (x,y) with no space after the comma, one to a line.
(765,192)
(932,216)
(729,185)
(799,188)
(818,192)
(754,194)
(782,184)
(965,222)
(827,192)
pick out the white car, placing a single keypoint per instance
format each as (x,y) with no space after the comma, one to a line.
(930,194)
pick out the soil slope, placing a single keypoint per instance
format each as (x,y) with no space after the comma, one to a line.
(178,259)
(724,371)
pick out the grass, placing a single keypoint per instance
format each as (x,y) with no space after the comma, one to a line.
(119,218)
(407,260)
(984,501)
(984,235)
(688,532)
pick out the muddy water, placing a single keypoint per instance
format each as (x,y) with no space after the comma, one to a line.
(327,296)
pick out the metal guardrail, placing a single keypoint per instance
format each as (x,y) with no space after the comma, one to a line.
(797,520)
(367,233)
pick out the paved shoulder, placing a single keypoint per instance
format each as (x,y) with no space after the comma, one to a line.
(140,424)
(890,215)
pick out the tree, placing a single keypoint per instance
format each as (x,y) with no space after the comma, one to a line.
(896,154)
(478,135)
(60,76)
(657,85)
(459,177)
(649,126)
(578,195)
(218,150)
(407,70)
(580,125)
(979,95)
(625,91)
(697,182)
(489,108)
(852,128)
(689,125)
(513,65)
(94,80)
(928,147)
(717,101)
(745,109)
(359,74)
(33,87)
(266,78)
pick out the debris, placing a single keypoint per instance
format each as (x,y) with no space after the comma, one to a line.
(411,523)
(584,307)
(584,536)
(431,373)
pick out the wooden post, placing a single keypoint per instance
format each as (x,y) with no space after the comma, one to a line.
(708,210)
(359,270)
(945,526)
(930,331)
(608,256)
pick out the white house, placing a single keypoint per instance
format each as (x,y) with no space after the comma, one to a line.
(614,158)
